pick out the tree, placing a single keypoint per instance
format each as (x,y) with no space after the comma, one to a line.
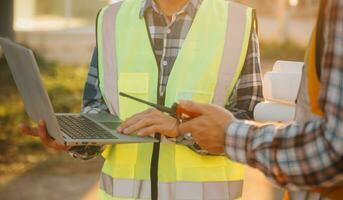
(6,16)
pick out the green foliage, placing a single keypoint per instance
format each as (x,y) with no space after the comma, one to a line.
(282,51)
(64,85)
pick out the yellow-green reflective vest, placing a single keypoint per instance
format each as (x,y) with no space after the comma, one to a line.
(206,70)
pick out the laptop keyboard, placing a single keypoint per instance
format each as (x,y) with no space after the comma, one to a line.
(79,127)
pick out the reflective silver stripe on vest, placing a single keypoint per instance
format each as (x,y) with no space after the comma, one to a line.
(232,52)
(109,58)
(140,189)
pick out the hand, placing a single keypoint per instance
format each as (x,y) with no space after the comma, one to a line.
(41,132)
(149,122)
(208,130)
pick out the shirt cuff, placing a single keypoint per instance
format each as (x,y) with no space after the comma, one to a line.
(237,139)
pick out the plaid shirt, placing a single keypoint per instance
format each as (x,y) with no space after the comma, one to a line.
(168,35)
(309,154)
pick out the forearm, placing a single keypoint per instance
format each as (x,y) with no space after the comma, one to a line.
(309,154)
(296,156)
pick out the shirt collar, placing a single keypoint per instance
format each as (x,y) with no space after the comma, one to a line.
(190,8)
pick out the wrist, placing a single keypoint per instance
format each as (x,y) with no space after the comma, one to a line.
(177,124)
(228,123)
(236,136)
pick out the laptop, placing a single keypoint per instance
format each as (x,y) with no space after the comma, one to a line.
(72,129)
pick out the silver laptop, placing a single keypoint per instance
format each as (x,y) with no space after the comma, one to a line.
(69,129)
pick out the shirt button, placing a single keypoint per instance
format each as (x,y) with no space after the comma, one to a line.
(165,63)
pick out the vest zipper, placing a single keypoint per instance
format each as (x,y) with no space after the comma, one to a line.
(156,146)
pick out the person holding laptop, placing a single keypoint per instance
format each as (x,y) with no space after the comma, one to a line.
(307,155)
(162,51)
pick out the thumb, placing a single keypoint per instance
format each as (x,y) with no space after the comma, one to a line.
(192,107)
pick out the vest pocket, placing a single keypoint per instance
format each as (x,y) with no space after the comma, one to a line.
(137,85)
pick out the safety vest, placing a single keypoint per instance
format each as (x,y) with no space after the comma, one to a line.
(206,70)
(307,100)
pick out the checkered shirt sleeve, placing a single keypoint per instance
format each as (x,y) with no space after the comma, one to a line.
(301,156)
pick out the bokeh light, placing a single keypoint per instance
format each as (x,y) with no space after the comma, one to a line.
(293,2)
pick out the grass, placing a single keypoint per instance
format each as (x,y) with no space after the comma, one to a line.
(282,51)
(64,85)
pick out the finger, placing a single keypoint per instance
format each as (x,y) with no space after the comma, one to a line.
(192,106)
(146,122)
(208,143)
(136,118)
(56,145)
(150,130)
(45,138)
(218,150)
(27,130)
(129,122)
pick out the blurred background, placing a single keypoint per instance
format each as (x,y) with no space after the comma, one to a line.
(61,33)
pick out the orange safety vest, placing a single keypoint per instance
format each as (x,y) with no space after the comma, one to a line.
(314,69)
(313,83)
(334,193)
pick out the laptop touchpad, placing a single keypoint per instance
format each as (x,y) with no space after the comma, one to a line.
(111,125)
(108,120)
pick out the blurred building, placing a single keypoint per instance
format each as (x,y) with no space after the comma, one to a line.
(63,30)
(300,8)
(60,30)
(284,20)
(55,14)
